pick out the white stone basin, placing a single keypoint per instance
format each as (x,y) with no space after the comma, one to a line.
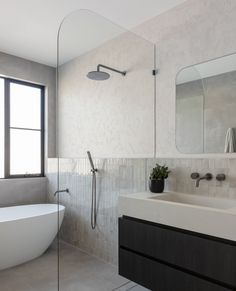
(202,214)
(197,200)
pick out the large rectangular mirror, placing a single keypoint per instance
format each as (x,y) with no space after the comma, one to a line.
(206,107)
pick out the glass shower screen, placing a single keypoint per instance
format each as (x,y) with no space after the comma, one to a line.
(105,106)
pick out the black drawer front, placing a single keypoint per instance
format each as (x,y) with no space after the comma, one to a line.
(210,258)
(159,277)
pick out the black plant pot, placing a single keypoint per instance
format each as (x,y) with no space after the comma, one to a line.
(157,186)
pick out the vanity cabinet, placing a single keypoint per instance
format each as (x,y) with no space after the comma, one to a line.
(164,258)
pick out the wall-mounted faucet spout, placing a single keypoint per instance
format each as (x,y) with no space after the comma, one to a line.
(198,178)
(62,191)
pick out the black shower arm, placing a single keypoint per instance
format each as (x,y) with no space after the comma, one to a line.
(111,69)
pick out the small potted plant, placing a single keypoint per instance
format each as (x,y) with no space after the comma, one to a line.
(157,178)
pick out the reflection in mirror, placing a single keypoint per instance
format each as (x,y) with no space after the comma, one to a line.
(189,113)
(206,106)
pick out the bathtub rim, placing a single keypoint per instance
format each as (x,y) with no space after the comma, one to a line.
(58,209)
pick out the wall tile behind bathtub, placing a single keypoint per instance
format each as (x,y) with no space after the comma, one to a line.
(115,177)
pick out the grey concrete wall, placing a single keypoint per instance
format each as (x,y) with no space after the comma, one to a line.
(22,191)
(22,69)
(25,191)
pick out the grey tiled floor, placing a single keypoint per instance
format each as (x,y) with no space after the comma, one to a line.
(78,272)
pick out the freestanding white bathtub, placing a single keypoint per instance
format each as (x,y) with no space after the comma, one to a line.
(27,231)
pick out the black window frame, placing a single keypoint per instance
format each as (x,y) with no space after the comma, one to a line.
(7,127)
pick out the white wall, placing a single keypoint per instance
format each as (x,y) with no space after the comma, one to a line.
(194,32)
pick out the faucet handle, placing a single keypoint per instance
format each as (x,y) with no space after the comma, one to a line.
(208,176)
(195,176)
(220,177)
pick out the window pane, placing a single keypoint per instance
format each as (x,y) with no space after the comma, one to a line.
(1,128)
(25,106)
(25,152)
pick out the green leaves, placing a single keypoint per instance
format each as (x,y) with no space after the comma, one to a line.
(159,172)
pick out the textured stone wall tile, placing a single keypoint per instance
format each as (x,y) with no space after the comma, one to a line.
(123,176)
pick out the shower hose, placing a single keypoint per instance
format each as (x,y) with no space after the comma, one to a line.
(94,201)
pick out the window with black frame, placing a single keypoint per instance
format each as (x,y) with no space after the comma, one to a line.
(21,129)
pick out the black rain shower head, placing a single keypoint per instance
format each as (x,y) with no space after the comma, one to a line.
(100,75)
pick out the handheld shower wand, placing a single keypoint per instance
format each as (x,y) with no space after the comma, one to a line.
(91,162)
(94,193)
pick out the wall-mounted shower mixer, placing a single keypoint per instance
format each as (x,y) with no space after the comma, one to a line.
(94,193)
